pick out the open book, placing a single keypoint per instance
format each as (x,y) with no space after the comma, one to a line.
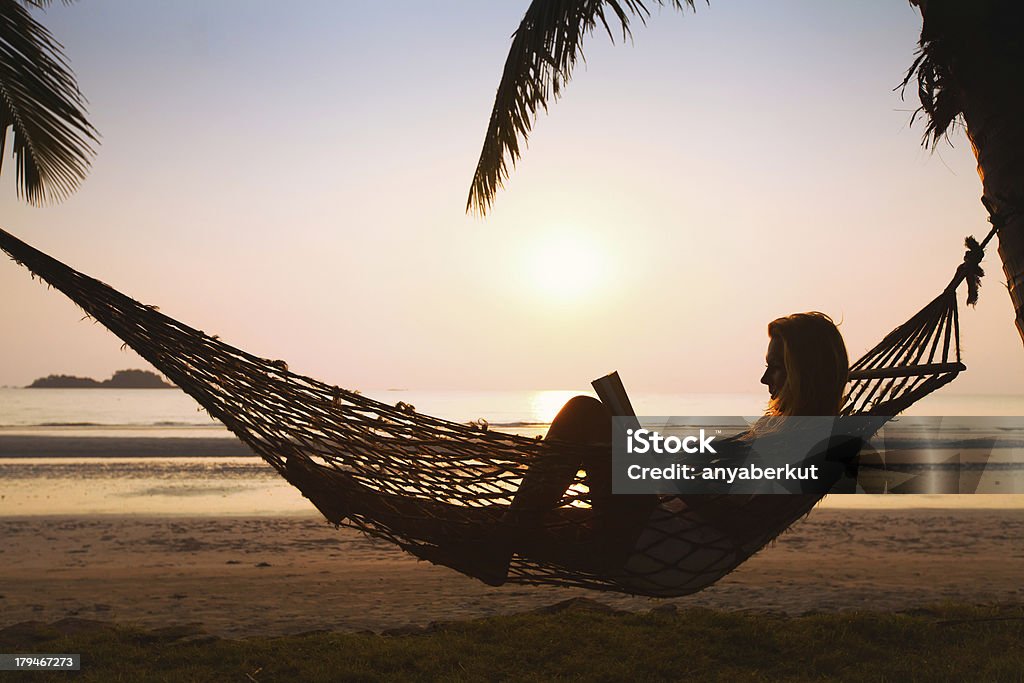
(611,392)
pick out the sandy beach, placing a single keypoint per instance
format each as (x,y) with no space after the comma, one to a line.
(50,446)
(241,576)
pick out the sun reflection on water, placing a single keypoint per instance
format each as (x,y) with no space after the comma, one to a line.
(544,405)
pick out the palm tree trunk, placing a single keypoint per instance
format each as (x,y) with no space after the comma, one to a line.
(995,126)
(977,52)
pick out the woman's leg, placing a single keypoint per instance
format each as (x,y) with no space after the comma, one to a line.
(615,522)
(582,420)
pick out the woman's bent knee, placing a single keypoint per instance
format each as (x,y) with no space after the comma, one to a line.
(582,418)
(583,405)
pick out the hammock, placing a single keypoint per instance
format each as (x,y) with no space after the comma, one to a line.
(438,488)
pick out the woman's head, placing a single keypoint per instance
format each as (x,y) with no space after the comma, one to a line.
(807,365)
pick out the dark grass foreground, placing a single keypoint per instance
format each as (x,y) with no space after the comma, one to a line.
(577,640)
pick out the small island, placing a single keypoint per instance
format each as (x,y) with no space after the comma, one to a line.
(122,379)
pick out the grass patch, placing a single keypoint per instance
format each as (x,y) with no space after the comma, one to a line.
(579,642)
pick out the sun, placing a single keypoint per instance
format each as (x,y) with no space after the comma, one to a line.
(566,267)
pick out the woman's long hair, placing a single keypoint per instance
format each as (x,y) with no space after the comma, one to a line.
(817,366)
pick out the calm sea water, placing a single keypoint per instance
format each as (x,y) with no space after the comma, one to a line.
(170,412)
(237,485)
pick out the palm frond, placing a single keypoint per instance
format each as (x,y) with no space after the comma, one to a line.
(962,45)
(545,48)
(41,104)
(43,4)
(940,98)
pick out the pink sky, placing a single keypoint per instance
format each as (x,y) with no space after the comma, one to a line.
(293,179)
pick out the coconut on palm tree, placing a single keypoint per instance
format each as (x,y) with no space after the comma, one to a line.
(970,69)
(41,108)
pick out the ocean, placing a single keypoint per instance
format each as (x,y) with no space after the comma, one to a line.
(126,478)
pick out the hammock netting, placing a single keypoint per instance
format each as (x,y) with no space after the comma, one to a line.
(439,489)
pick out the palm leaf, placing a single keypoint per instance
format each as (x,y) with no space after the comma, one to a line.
(964,46)
(544,51)
(939,93)
(41,104)
(43,4)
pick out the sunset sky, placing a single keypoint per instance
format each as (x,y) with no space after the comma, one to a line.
(292,177)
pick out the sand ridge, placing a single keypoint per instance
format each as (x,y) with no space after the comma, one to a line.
(240,576)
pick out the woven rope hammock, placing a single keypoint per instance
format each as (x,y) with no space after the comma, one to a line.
(439,489)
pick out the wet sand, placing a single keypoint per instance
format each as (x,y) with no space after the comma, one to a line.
(239,576)
(52,446)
